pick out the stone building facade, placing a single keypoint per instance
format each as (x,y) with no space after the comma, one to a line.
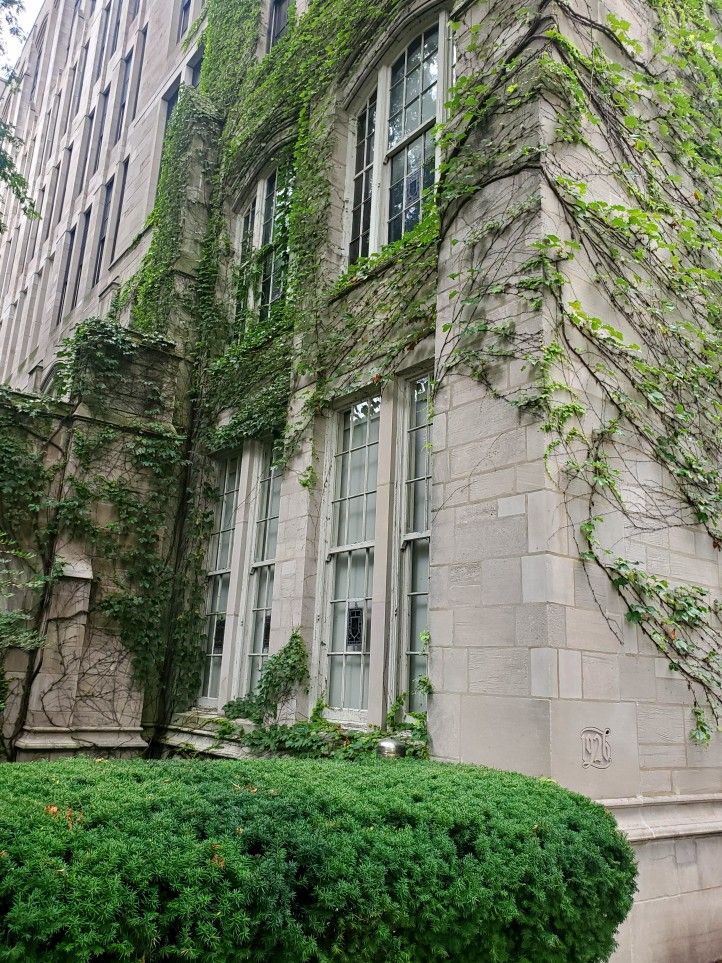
(436,552)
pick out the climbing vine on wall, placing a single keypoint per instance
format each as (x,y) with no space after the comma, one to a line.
(623,275)
(606,141)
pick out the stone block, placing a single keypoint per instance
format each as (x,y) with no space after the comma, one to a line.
(538,624)
(477,626)
(548,578)
(661,724)
(600,676)
(499,671)
(444,725)
(548,523)
(511,505)
(637,681)
(501,581)
(492,484)
(590,630)
(570,674)
(594,748)
(506,733)
(455,670)
(544,677)
(688,781)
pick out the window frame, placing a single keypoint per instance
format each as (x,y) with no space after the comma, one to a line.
(379,82)
(328,552)
(254,568)
(255,205)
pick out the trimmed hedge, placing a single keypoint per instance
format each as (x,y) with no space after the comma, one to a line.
(279,861)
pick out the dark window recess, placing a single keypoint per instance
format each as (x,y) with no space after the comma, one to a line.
(171,102)
(355,628)
(196,67)
(116,26)
(266,633)
(81,257)
(184,18)
(278,21)
(219,632)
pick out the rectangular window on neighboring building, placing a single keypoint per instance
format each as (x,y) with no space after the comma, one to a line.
(220,550)
(115,36)
(184,18)
(80,79)
(69,96)
(66,275)
(263,570)
(67,161)
(85,230)
(85,146)
(103,232)
(52,190)
(125,71)
(103,101)
(100,57)
(416,532)
(142,38)
(352,555)
(121,202)
(196,65)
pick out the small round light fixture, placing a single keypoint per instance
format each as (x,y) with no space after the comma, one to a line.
(390,748)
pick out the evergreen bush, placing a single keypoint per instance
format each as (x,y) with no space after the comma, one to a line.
(278,861)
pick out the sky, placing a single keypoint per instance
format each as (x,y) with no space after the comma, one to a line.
(26,19)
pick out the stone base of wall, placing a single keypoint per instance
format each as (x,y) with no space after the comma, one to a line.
(677,917)
(51,742)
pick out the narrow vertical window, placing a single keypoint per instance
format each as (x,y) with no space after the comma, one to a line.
(67,161)
(103,232)
(363,181)
(184,19)
(412,116)
(248,222)
(52,127)
(123,96)
(81,257)
(417,531)
(80,80)
(51,201)
(220,548)
(196,66)
(100,133)
(273,268)
(278,21)
(85,145)
(142,39)
(35,225)
(264,557)
(121,201)
(69,97)
(116,26)
(134,8)
(100,58)
(66,275)
(352,555)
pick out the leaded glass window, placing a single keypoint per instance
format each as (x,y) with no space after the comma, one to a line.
(417,529)
(220,548)
(363,181)
(352,555)
(264,555)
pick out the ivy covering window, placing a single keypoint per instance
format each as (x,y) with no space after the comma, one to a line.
(262,245)
(264,555)
(352,555)
(395,153)
(415,543)
(220,547)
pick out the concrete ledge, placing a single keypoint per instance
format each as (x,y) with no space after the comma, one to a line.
(667,817)
(44,742)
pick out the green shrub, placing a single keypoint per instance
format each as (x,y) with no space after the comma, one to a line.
(273,861)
